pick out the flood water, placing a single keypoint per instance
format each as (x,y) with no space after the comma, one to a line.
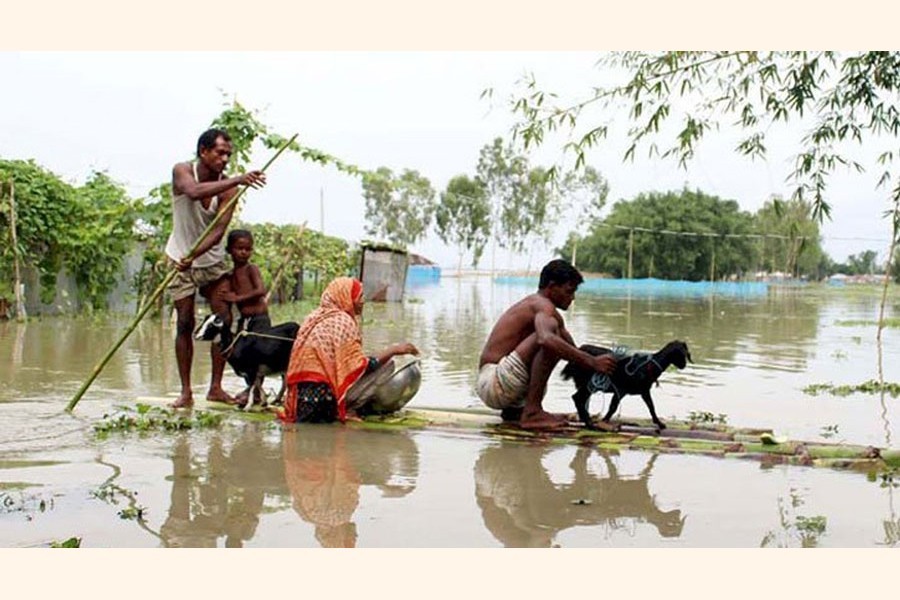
(255,484)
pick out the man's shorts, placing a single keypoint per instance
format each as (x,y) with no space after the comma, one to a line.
(186,283)
(505,384)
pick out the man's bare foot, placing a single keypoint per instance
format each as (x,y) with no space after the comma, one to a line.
(543,420)
(220,395)
(185,400)
(241,399)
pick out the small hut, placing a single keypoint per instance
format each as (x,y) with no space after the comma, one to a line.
(382,271)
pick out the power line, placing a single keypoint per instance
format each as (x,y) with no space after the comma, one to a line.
(735,235)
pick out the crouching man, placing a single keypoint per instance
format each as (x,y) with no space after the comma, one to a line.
(524,346)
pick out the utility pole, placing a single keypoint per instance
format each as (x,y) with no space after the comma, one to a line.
(20,301)
(322,210)
(630,253)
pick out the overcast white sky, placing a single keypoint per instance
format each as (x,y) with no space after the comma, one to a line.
(135,114)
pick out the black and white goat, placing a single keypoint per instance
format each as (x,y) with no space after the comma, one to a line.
(252,355)
(634,374)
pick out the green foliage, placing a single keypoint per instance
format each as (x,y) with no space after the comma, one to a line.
(829,431)
(144,418)
(705,417)
(398,209)
(605,247)
(895,266)
(888,322)
(848,98)
(872,386)
(152,228)
(289,249)
(43,205)
(795,528)
(799,251)
(72,542)
(245,128)
(463,217)
(525,201)
(96,249)
(86,230)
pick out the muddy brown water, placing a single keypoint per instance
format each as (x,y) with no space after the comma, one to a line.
(254,484)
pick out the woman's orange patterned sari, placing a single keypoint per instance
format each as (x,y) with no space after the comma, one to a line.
(328,347)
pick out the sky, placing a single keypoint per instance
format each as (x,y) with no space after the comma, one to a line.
(134,114)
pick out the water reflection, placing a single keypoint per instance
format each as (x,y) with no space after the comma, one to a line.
(325,467)
(523,507)
(777,332)
(220,495)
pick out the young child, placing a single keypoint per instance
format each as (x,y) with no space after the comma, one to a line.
(246,288)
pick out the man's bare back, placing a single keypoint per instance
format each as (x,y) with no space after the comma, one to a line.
(514,326)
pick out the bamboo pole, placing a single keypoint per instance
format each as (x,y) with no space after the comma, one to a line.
(162,286)
(20,301)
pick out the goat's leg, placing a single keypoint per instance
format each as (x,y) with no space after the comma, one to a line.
(582,399)
(277,401)
(613,407)
(259,397)
(250,380)
(649,402)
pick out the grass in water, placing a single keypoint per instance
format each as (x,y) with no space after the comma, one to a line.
(888,322)
(872,386)
(144,418)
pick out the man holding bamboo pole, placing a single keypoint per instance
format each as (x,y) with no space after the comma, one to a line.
(200,191)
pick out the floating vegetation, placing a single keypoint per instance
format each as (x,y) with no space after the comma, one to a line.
(696,416)
(888,322)
(11,502)
(872,386)
(887,479)
(112,494)
(795,528)
(145,418)
(829,431)
(72,542)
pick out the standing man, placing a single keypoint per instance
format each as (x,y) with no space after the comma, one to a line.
(524,346)
(200,191)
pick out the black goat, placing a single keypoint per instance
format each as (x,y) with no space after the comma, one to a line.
(252,355)
(634,374)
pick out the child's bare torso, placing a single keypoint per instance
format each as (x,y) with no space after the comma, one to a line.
(242,283)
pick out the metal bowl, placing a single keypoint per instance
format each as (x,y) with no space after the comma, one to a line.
(396,385)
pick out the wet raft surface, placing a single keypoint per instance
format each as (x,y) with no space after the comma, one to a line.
(679,437)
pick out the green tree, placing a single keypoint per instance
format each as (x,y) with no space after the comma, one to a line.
(96,249)
(584,195)
(398,209)
(799,249)
(524,200)
(43,205)
(847,97)
(713,250)
(463,217)
(863,263)
(85,230)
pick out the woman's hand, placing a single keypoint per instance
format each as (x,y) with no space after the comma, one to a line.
(404,348)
